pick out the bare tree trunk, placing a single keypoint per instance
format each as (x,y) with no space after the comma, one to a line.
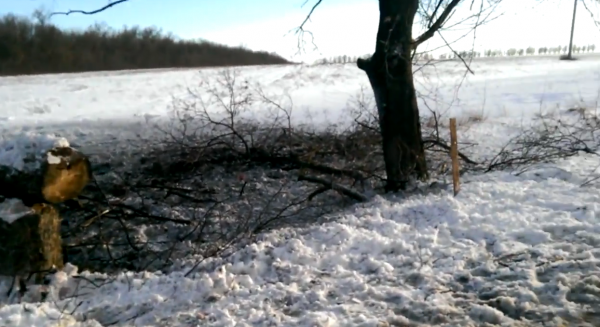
(390,74)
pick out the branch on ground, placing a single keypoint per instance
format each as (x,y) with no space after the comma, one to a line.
(215,177)
(550,138)
(329,185)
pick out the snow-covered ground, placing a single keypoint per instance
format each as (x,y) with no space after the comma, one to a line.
(506,248)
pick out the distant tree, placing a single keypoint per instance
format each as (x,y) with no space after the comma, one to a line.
(36,46)
(584,48)
(40,17)
(530,51)
(511,52)
(520,52)
(592,47)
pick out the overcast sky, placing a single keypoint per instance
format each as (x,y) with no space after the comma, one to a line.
(338,26)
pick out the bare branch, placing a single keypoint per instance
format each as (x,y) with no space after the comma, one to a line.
(458,55)
(93,12)
(329,185)
(446,147)
(312,10)
(596,21)
(438,23)
(300,30)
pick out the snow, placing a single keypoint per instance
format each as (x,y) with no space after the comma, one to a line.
(504,238)
(506,248)
(25,149)
(61,142)
(499,88)
(52,159)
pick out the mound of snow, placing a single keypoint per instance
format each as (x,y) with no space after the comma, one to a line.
(28,315)
(504,250)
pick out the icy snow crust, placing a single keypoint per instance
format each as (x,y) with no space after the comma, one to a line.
(506,248)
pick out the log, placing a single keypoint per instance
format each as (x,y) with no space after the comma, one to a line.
(31,240)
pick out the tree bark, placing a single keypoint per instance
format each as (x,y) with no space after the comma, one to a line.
(390,74)
(31,243)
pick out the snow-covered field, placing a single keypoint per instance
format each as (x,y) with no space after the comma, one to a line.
(508,250)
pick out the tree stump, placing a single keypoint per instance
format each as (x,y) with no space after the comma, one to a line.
(31,240)
(60,175)
(30,226)
(66,172)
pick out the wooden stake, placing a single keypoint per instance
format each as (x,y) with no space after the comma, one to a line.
(454,156)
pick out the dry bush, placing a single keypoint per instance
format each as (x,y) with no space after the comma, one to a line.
(217,175)
(548,138)
(230,163)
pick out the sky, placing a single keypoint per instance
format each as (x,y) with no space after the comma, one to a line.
(338,27)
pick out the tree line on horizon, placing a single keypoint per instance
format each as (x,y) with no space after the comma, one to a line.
(36,46)
(342,59)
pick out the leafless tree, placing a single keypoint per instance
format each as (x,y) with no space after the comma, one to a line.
(391,76)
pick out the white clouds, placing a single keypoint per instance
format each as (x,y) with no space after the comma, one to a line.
(343,29)
(350,29)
